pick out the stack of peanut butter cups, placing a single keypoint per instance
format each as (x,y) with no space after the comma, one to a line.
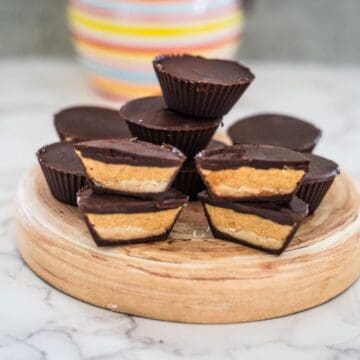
(132,172)
(122,185)
(129,199)
(196,94)
(250,197)
(261,189)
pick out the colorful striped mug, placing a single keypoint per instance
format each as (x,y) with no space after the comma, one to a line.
(116,40)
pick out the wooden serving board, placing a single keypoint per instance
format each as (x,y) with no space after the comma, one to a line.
(192,277)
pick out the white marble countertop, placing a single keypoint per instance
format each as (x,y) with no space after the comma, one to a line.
(39,322)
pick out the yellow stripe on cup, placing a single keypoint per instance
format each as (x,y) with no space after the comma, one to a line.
(92,22)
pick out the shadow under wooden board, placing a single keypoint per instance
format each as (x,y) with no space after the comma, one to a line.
(191,277)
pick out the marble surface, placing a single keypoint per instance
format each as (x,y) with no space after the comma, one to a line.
(39,322)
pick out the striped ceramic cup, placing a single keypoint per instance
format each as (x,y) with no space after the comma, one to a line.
(116,40)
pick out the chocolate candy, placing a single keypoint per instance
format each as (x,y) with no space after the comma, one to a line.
(150,120)
(188,180)
(277,130)
(82,123)
(129,166)
(317,181)
(121,220)
(201,87)
(252,172)
(62,170)
(264,226)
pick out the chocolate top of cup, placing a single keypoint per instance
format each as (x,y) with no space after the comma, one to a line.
(284,213)
(151,112)
(320,169)
(131,151)
(82,123)
(60,156)
(257,156)
(199,69)
(90,202)
(277,130)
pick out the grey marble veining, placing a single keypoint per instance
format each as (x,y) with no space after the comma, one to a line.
(39,322)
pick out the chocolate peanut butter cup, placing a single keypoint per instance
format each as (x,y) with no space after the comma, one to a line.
(62,170)
(201,87)
(277,130)
(129,166)
(252,172)
(188,181)
(121,220)
(317,181)
(82,123)
(150,120)
(264,226)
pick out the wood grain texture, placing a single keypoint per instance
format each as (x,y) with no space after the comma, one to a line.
(191,277)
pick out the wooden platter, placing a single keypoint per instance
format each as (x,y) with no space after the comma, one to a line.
(192,277)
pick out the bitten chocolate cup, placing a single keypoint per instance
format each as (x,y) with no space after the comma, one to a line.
(62,170)
(149,120)
(129,166)
(83,123)
(318,181)
(252,172)
(123,220)
(264,226)
(204,88)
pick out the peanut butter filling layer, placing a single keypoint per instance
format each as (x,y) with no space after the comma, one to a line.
(124,227)
(122,177)
(246,181)
(248,227)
